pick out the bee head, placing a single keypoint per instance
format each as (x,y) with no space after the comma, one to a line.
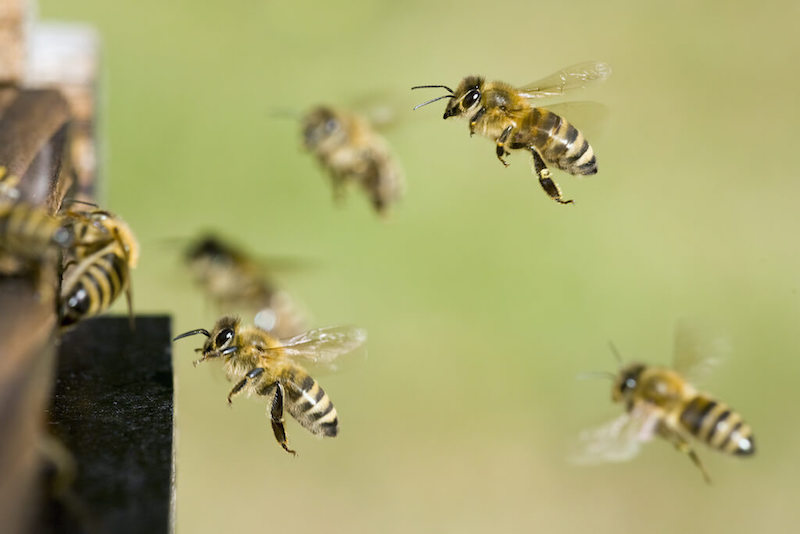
(319,125)
(467,97)
(220,340)
(627,381)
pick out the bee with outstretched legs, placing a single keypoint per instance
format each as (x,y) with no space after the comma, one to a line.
(659,401)
(505,114)
(259,363)
(98,266)
(349,148)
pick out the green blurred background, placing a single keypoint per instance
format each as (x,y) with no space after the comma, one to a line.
(483,298)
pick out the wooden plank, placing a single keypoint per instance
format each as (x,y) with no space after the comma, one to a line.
(113,410)
(33,141)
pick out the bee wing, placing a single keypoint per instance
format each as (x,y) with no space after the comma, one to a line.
(574,77)
(322,347)
(698,351)
(588,116)
(618,440)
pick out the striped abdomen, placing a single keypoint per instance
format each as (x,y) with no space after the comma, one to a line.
(29,232)
(557,141)
(93,285)
(717,425)
(309,404)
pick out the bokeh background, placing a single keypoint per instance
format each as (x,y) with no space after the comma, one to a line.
(483,298)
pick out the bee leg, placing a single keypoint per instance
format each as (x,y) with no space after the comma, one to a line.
(251,375)
(545,180)
(501,144)
(682,444)
(276,415)
(473,122)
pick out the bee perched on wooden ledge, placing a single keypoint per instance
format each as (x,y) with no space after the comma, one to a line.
(348,147)
(505,114)
(262,364)
(98,264)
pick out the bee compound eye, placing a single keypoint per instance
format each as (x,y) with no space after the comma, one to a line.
(471,98)
(224,336)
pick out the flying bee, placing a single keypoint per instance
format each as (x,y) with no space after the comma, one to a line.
(262,364)
(98,266)
(233,279)
(350,149)
(659,401)
(505,114)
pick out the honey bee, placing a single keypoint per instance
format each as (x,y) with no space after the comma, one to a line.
(659,401)
(8,185)
(30,242)
(98,266)
(350,149)
(262,364)
(505,114)
(235,280)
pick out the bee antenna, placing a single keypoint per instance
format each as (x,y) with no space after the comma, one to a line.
(615,352)
(192,333)
(433,87)
(431,101)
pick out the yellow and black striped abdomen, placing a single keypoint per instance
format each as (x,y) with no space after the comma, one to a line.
(717,425)
(93,285)
(557,141)
(309,404)
(29,232)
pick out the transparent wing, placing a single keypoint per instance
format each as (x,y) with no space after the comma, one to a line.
(618,440)
(574,77)
(698,350)
(587,116)
(322,347)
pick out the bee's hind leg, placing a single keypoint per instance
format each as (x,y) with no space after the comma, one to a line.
(545,180)
(682,444)
(275,411)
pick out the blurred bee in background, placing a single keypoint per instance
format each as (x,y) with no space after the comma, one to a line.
(97,264)
(505,114)
(8,185)
(262,364)
(350,149)
(660,402)
(30,242)
(234,280)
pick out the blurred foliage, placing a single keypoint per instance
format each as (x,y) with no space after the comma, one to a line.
(483,298)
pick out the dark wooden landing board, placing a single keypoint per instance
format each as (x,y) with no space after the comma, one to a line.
(113,409)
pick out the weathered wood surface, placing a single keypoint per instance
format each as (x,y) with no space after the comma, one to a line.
(35,124)
(113,410)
